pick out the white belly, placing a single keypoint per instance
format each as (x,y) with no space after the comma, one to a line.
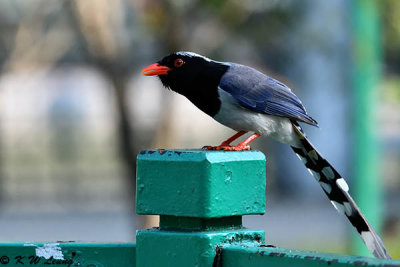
(234,116)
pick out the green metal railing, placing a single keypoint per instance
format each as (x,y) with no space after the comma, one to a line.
(67,254)
(201,197)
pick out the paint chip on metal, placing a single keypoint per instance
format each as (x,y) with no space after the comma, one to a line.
(50,250)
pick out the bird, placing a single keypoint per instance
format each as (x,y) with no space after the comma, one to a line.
(247,100)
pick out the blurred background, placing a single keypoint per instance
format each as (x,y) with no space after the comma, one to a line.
(75,111)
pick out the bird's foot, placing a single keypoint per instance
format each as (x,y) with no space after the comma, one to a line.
(236,148)
(227,148)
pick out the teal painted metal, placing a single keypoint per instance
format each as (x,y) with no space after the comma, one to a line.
(68,254)
(235,256)
(201,197)
(197,183)
(367,57)
(179,248)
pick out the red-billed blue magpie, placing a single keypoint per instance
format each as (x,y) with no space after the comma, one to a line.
(247,100)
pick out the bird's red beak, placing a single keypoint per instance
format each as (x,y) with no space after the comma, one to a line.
(155,69)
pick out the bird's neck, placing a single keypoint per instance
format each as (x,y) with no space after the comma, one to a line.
(203,91)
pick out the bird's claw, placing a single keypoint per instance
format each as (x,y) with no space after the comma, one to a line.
(236,148)
(227,148)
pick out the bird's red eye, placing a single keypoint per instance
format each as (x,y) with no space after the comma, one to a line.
(178,62)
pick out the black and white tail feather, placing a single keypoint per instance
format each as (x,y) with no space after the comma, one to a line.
(336,188)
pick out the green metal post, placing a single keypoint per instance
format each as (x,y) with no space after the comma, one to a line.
(366,75)
(201,197)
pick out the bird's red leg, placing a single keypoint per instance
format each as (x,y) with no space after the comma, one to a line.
(249,140)
(243,145)
(227,142)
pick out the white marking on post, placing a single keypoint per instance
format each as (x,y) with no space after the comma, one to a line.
(50,250)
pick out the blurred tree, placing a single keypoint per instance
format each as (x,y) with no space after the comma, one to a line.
(102,28)
(162,19)
(46,34)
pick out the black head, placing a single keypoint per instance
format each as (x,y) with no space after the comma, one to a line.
(191,75)
(180,71)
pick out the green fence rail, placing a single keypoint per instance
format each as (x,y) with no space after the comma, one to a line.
(67,254)
(201,197)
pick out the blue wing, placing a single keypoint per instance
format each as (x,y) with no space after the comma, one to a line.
(261,93)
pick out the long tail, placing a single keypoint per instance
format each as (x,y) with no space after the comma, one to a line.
(336,188)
